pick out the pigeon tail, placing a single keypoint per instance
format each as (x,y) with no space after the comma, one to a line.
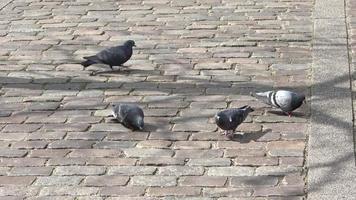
(87,63)
(261,94)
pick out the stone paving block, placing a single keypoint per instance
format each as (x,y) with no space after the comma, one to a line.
(214,153)
(105,180)
(30,144)
(22,162)
(254,181)
(131,170)
(154,180)
(68,190)
(280,191)
(161,161)
(123,192)
(180,171)
(227,192)
(203,181)
(17,180)
(286,148)
(79,170)
(231,171)
(12,153)
(58,181)
(256,161)
(33,171)
(82,153)
(48,153)
(133,152)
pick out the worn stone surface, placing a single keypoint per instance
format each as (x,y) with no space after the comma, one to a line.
(192,59)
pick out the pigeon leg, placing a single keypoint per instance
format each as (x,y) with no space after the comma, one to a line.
(111,67)
(229,133)
(288,113)
(224,132)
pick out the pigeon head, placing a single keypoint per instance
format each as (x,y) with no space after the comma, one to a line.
(130,43)
(221,120)
(298,101)
(247,108)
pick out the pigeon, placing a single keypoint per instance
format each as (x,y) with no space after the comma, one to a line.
(131,116)
(229,119)
(287,101)
(114,56)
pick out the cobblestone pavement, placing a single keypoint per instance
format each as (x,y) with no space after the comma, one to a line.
(193,58)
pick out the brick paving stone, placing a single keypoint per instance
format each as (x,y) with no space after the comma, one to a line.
(68,191)
(12,153)
(131,170)
(48,153)
(280,191)
(230,171)
(58,180)
(123,192)
(82,153)
(203,181)
(173,191)
(214,153)
(105,180)
(229,192)
(154,180)
(111,161)
(17,180)
(209,162)
(161,161)
(54,124)
(79,170)
(148,152)
(180,171)
(22,162)
(253,181)
(33,171)
(71,144)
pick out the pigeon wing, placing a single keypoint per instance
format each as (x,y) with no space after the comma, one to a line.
(235,117)
(114,56)
(284,99)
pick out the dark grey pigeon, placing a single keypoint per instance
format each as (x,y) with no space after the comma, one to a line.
(131,116)
(114,56)
(229,119)
(287,101)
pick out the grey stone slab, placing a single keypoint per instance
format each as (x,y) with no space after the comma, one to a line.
(328,9)
(331,161)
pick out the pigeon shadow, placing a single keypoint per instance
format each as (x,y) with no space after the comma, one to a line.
(148,127)
(248,137)
(294,114)
(115,70)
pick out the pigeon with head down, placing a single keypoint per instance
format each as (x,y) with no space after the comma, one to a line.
(114,56)
(285,100)
(130,115)
(229,119)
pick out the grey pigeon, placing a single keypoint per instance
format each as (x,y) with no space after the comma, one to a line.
(287,101)
(229,119)
(131,116)
(114,56)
